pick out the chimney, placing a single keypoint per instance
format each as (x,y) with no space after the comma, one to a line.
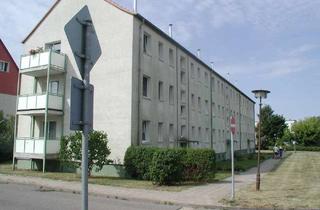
(135,6)
(170,30)
(198,53)
(212,64)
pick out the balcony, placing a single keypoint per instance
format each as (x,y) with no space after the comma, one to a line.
(36,104)
(37,65)
(34,147)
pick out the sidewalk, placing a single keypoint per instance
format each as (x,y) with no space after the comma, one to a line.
(206,196)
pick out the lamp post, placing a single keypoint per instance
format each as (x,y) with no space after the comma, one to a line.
(259,94)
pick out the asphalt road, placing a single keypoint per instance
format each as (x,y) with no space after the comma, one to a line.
(27,197)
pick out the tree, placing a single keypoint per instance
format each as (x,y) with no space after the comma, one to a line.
(272,127)
(70,150)
(307,132)
(6,137)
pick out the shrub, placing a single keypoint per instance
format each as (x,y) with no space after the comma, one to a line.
(70,150)
(137,161)
(303,148)
(166,166)
(198,164)
(6,137)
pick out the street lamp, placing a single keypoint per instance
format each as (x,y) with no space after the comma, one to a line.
(260,94)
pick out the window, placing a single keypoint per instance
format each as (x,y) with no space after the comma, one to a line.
(207,106)
(193,102)
(182,63)
(171,132)
(206,77)
(199,73)
(183,131)
(145,86)
(199,133)
(183,110)
(51,132)
(183,77)
(145,131)
(160,131)
(207,134)
(171,96)
(147,43)
(193,131)
(160,91)
(4,66)
(213,109)
(199,104)
(171,58)
(54,87)
(213,84)
(160,51)
(54,46)
(192,70)
(183,96)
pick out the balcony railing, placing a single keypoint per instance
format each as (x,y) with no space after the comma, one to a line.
(37,64)
(36,146)
(38,102)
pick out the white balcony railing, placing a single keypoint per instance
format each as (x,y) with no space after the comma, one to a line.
(40,61)
(36,146)
(38,101)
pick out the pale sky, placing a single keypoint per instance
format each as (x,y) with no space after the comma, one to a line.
(268,44)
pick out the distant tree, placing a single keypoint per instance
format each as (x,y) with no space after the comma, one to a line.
(6,137)
(70,150)
(307,132)
(272,127)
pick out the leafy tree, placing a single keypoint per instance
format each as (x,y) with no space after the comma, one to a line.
(272,127)
(6,137)
(70,151)
(307,132)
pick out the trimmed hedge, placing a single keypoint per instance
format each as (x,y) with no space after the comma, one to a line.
(303,148)
(167,166)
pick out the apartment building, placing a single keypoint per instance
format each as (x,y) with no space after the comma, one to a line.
(8,82)
(149,90)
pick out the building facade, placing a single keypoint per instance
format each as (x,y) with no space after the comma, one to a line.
(149,90)
(8,82)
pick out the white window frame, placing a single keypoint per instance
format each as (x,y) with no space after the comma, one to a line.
(3,65)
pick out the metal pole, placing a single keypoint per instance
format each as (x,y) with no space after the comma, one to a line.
(86,127)
(232,167)
(259,144)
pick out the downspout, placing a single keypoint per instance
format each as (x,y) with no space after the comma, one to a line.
(139,83)
(211,117)
(177,95)
(64,96)
(46,115)
(188,97)
(16,119)
(240,122)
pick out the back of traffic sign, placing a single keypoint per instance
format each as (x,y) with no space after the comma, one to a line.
(233,125)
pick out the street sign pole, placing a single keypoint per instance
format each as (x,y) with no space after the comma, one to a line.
(86,49)
(233,130)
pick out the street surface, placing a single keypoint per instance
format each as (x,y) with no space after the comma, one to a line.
(28,197)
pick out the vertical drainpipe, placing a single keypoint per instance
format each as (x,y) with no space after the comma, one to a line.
(16,119)
(64,95)
(139,136)
(210,113)
(177,95)
(46,126)
(240,122)
(188,97)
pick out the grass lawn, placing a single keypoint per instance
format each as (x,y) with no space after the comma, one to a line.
(6,168)
(294,184)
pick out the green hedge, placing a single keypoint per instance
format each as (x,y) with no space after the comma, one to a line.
(167,166)
(303,148)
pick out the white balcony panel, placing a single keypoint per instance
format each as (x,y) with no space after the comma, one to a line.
(25,62)
(34,60)
(29,146)
(41,102)
(22,103)
(31,102)
(53,146)
(44,58)
(38,146)
(55,102)
(57,60)
(20,146)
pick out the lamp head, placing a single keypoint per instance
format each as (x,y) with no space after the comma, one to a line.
(260,93)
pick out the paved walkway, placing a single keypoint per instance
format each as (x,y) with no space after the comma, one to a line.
(207,195)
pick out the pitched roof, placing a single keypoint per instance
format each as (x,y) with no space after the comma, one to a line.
(153,27)
(6,49)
